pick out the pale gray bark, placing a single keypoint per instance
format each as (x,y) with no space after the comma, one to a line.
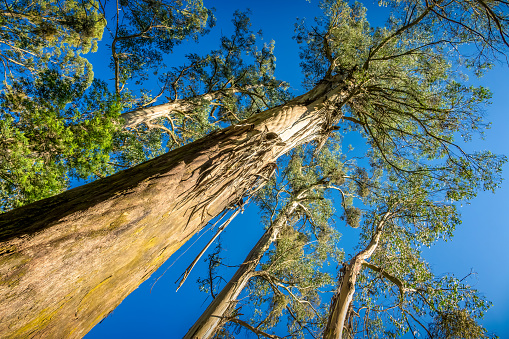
(218,310)
(184,106)
(343,297)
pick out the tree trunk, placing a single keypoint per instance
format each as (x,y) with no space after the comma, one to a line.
(342,299)
(185,106)
(69,260)
(219,309)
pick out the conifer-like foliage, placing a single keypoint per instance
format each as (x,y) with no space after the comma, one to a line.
(53,129)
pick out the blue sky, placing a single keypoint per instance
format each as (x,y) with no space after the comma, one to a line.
(480,243)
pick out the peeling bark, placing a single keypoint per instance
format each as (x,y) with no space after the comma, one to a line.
(67,261)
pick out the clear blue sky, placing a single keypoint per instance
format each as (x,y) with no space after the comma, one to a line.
(481,243)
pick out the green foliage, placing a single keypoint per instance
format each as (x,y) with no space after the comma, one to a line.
(34,34)
(130,149)
(146,32)
(456,324)
(397,291)
(54,129)
(407,98)
(346,41)
(290,282)
(50,134)
(353,216)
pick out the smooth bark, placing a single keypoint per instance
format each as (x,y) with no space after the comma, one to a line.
(184,106)
(343,297)
(222,305)
(67,261)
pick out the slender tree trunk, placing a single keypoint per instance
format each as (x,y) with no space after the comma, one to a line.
(69,260)
(343,297)
(185,106)
(145,115)
(213,317)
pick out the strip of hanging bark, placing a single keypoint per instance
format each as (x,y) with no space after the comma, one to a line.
(219,231)
(253,329)
(214,316)
(210,228)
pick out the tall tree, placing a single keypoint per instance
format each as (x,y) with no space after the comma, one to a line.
(394,83)
(398,292)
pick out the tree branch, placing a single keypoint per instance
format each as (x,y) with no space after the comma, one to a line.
(396,281)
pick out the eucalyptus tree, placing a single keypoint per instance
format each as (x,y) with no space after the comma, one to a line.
(387,288)
(42,44)
(394,83)
(34,34)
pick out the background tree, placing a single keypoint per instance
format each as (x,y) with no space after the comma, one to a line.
(53,130)
(36,34)
(398,292)
(386,290)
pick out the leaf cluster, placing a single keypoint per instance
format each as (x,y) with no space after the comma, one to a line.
(37,34)
(53,130)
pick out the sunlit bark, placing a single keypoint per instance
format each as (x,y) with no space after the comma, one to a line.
(145,115)
(343,297)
